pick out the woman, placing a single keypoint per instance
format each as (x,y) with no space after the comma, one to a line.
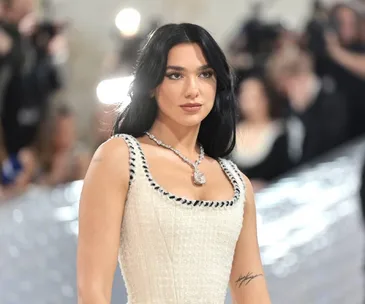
(179,239)
(65,159)
(262,143)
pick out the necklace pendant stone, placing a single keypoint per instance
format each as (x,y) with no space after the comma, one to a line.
(199,178)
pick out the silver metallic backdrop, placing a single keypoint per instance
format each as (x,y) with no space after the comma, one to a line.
(309,225)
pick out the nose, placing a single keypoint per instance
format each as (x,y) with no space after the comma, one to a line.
(192,90)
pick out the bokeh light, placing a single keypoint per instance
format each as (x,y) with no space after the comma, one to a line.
(128,21)
(114,91)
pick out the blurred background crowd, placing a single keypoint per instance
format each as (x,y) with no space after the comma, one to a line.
(37,140)
(300,93)
(65,69)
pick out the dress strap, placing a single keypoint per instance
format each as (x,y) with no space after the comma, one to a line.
(135,157)
(237,175)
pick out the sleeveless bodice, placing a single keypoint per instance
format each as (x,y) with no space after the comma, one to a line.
(172,249)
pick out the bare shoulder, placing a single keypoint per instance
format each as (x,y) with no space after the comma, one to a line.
(111,159)
(111,150)
(250,197)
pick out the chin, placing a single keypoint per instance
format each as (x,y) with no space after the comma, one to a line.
(190,121)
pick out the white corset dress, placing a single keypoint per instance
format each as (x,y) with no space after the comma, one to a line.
(172,249)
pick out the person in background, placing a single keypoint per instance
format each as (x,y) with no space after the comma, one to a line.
(17,157)
(346,63)
(64,159)
(33,77)
(317,114)
(261,150)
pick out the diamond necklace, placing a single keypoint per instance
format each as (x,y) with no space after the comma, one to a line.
(198,177)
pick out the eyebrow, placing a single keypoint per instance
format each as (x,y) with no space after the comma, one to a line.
(179,68)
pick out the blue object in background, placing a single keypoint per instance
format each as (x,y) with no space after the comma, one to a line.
(10,169)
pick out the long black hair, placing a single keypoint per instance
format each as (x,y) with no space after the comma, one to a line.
(217,130)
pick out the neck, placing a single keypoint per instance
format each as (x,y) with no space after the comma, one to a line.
(183,139)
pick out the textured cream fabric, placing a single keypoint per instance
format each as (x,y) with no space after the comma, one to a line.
(173,250)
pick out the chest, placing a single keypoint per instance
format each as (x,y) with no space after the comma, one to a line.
(176,177)
(172,226)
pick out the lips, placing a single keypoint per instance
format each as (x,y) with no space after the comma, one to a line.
(191,108)
(191,105)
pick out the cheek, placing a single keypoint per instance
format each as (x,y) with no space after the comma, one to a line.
(168,93)
(209,91)
(262,106)
(212,87)
(348,26)
(249,98)
(249,105)
(242,101)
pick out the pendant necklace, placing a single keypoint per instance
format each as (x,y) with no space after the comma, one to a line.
(198,176)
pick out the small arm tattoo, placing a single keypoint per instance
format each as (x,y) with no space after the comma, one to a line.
(247,278)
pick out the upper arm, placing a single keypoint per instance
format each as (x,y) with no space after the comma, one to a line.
(100,216)
(247,281)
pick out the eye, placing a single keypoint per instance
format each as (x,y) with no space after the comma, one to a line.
(207,74)
(174,76)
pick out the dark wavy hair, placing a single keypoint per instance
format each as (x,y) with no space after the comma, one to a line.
(217,130)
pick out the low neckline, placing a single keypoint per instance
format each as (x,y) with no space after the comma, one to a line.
(188,201)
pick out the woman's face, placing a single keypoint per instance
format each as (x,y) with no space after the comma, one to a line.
(253,100)
(187,92)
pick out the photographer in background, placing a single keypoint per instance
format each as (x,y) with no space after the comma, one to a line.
(31,79)
(17,160)
(340,54)
(254,43)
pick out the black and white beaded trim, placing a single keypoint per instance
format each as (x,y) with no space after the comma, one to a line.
(181,200)
(132,156)
(189,202)
(238,172)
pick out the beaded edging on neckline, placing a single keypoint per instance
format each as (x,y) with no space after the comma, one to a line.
(173,197)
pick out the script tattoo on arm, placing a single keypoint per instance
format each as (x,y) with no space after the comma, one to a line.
(247,278)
